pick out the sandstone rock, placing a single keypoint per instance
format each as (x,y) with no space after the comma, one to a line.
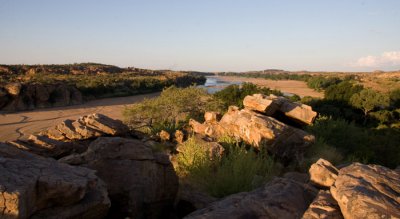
(284,141)
(61,96)
(268,105)
(105,124)
(259,103)
(367,191)
(42,96)
(35,187)
(45,146)
(190,199)
(68,130)
(13,89)
(3,98)
(85,131)
(323,173)
(211,117)
(298,177)
(197,127)
(141,183)
(298,112)
(179,136)
(280,198)
(323,207)
(76,96)
(164,135)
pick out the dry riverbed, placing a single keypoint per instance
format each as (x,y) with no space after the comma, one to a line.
(290,86)
(21,124)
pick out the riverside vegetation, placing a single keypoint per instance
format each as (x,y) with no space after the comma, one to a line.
(25,87)
(177,163)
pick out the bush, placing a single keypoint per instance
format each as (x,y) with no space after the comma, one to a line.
(322,82)
(395,98)
(342,92)
(347,138)
(238,170)
(173,108)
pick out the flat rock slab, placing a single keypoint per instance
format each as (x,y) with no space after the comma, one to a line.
(367,191)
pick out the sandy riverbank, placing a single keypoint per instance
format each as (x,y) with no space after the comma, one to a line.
(290,86)
(21,124)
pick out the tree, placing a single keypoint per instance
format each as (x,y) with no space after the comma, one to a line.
(395,98)
(368,100)
(342,92)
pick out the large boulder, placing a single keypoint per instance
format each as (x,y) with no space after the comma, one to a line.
(140,182)
(268,105)
(323,173)
(323,207)
(367,191)
(36,187)
(258,130)
(280,198)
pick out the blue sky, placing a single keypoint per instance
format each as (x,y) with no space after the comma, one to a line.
(206,35)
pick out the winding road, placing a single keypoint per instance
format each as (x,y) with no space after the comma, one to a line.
(21,124)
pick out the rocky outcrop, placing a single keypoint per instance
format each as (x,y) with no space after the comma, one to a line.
(323,207)
(269,105)
(69,136)
(140,182)
(36,187)
(280,198)
(258,103)
(32,96)
(367,191)
(283,141)
(323,173)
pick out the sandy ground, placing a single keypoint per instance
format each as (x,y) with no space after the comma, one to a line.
(20,125)
(290,86)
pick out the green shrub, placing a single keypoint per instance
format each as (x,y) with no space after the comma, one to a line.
(395,98)
(322,82)
(238,170)
(172,109)
(342,92)
(348,138)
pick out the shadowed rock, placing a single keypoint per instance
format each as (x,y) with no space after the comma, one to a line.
(280,198)
(141,183)
(323,207)
(36,187)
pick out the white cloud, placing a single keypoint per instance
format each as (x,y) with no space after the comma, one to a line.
(386,59)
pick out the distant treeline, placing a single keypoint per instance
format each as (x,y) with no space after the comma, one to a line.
(30,86)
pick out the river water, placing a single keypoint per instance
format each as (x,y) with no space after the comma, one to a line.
(214,84)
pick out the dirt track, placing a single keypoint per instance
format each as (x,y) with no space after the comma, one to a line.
(20,125)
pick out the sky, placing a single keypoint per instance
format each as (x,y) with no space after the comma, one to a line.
(204,35)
